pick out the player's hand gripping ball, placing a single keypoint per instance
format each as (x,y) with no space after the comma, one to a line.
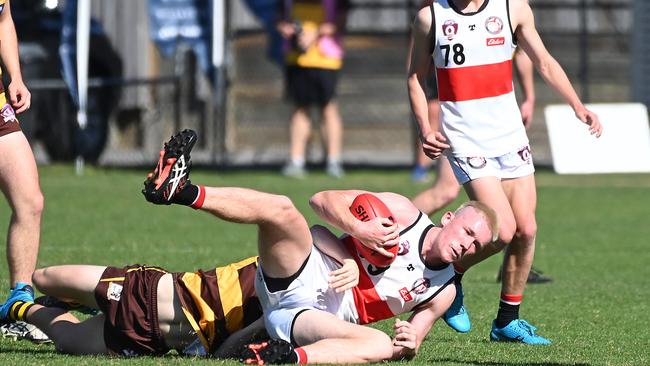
(366,207)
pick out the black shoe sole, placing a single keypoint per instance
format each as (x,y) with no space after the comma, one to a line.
(179,146)
(276,352)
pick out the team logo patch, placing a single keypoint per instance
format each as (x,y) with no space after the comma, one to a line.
(114,291)
(404,248)
(421,285)
(525,154)
(8,114)
(494,25)
(495,41)
(405,294)
(477,162)
(450,29)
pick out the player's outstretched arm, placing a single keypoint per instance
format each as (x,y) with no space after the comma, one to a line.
(530,41)
(410,334)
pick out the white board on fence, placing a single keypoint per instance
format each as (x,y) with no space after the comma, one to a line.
(624,146)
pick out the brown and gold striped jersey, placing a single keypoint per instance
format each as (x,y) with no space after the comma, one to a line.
(219,302)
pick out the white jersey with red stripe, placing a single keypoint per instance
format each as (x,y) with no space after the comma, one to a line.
(472,53)
(385,292)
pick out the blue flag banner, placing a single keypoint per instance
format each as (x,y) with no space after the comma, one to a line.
(182,21)
(267,12)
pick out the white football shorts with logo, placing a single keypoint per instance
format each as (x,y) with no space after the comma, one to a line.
(514,164)
(309,290)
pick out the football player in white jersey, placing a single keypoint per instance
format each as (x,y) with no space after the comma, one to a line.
(325,325)
(472,42)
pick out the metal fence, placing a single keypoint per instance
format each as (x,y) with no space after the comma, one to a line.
(591,39)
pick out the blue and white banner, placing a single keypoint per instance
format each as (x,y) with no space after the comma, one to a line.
(182,21)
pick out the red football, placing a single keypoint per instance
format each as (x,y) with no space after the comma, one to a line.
(366,207)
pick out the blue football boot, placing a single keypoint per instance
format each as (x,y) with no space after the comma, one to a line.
(22,292)
(517,330)
(456,316)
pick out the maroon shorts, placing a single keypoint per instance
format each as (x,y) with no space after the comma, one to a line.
(128,298)
(8,121)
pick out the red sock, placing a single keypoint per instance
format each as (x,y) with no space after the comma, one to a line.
(302,356)
(512,299)
(200,198)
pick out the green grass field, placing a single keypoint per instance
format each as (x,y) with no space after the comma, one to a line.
(592,239)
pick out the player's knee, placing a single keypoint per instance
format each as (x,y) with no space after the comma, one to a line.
(507,231)
(280,210)
(39,279)
(30,207)
(526,232)
(283,209)
(44,279)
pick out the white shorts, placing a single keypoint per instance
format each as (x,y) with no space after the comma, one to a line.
(515,164)
(308,291)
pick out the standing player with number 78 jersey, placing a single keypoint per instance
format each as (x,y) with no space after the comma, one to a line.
(472,42)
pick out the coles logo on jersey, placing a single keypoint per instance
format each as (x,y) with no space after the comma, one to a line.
(496,41)
(450,29)
(405,294)
(494,25)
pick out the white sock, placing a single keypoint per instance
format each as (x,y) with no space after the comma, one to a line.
(299,162)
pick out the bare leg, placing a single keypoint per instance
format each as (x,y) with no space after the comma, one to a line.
(284,237)
(70,282)
(519,254)
(19,183)
(444,191)
(331,340)
(332,130)
(68,334)
(299,134)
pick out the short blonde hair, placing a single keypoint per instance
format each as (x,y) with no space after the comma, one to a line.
(487,212)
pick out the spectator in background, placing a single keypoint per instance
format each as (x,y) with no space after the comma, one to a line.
(312,30)
(18,175)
